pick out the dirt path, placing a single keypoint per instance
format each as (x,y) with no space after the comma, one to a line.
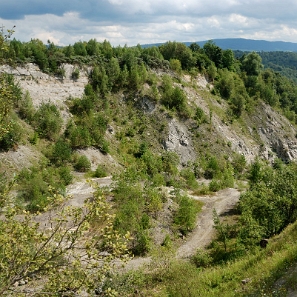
(222,202)
(201,236)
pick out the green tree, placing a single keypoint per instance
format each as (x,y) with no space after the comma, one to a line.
(178,50)
(113,71)
(99,80)
(80,48)
(48,121)
(251,64)
(7,92)
(92,47)
(228,60)
(185,217)
(68,51)
(214,53)
(175,65)
(61,152)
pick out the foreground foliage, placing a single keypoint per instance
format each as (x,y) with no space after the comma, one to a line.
(73,252)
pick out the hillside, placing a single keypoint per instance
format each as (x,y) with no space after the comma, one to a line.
(170,134)
(248,45)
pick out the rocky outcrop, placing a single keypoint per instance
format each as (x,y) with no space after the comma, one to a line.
(179,141)
(48,88)
(277,134)
(268,134)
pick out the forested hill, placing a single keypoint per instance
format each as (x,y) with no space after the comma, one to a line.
(246,45)
(253,45)
(282,62)
(277,55)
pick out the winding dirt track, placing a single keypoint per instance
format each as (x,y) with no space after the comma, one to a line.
(223,201)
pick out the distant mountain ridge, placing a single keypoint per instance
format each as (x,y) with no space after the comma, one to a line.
(246,45)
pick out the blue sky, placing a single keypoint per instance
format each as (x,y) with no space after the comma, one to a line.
(134,21)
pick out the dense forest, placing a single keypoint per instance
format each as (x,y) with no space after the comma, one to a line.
(284,63)
(266,208)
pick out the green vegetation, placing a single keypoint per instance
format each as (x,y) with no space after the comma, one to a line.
(131,96)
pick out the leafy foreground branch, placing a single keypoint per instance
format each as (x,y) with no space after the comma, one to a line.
(74,255)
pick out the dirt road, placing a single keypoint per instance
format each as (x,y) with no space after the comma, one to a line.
(222,202)
(201,236)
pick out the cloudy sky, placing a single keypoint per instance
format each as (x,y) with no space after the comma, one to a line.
(149,21)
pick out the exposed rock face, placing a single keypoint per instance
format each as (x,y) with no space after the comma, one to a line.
(146,104)
(277,134)
(45,88)
(179,141)
(269,134)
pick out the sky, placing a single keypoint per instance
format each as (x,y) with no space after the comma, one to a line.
(135,22)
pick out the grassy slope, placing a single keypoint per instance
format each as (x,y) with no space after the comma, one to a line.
(253,275)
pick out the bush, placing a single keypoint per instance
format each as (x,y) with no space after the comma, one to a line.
(75,74)
(78,135)
(200,116)
(65,175)
(26,109)
(239,164)
(100,171)
(12,136)
(189,177)
(35,185)
(61,152)
(142,243)
(81,106)
(185,217)
(82,164)
(214,185)
(48,121)
(34,188)
(201,259)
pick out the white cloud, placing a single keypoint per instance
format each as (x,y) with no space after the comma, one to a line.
(151,21)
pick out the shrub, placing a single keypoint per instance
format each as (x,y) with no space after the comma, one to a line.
(200,116)
(212,168)
(61,152)
(82,164)
(65,175)
(75,74)
(175,65)
(189,177)
(100,171)
(48,121)
(214,185)
(26,109)
(35,184)
(185,217)
(142,243)
(201,259)
(12,136)
(80,106)
(78,135)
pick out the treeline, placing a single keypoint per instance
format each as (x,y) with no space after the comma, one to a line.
(240,78)
(284,63)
